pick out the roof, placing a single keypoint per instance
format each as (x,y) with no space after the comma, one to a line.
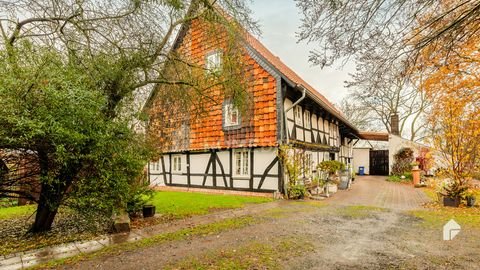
(374,136)
(295,79)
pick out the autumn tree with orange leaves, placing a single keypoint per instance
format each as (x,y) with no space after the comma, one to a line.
(451,78)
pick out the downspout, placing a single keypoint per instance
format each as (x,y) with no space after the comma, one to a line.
(285,123)
(304,94)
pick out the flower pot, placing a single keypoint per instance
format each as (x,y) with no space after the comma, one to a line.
(470,201)
(451,202)
(332,188)
(148,211)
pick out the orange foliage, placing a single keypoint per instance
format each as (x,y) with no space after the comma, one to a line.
(452,80)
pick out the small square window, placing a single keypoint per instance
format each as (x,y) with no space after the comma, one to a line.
(241,163)
(213,61)
(177,164)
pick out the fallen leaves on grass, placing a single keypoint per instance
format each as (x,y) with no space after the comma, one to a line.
(68,227)
(436,215)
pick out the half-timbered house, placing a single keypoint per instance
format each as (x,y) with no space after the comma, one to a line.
(224,149)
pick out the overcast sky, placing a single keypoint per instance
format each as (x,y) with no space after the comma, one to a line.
(279,21)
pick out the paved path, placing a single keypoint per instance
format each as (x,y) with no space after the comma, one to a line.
(375,191)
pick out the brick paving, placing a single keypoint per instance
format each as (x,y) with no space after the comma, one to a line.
(375,191)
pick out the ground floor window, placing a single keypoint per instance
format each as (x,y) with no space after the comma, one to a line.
(177,164)
(241,163)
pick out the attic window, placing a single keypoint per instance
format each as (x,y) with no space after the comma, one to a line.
(231,116)
(213,61)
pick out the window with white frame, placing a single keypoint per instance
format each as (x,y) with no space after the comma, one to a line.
(241,163)
(298,115)
(231,115)
(213,61)
(177,164)
(308,120)
(308,163)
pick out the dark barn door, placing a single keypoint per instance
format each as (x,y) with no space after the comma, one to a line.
(379,162)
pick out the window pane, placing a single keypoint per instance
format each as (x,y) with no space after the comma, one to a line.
(238,162)
(233,117)
(245,163)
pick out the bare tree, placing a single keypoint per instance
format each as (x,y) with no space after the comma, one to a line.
(359,115)
(382,90)
(344,28)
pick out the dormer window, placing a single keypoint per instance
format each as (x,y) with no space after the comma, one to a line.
(213,61)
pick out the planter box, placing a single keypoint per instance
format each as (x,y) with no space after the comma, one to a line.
(451,202)
(148,211)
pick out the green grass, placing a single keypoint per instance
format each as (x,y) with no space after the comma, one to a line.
(182,204)
(16,211)
(255,255)
(398,179)
(183,234)
(359,211)
(437,217)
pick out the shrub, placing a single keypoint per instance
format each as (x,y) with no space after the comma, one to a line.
(139,195)
(331,166)
(402,161)
(297,191)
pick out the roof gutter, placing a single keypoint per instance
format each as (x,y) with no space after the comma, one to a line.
(304,94)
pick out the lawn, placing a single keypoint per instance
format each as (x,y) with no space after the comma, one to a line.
(175,204)
(437,215)
(16,211)
(182,204)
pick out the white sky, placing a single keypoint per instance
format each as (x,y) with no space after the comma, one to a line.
(279,21)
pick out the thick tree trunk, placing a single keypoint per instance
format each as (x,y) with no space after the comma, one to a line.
(50,197)
(51,194)
(44,218)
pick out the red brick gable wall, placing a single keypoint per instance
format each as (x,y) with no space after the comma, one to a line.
(205,130)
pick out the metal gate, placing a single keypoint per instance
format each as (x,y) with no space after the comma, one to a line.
(378,162)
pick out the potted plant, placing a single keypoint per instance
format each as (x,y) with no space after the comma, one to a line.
(297,192)
(470,198)
(453,193)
